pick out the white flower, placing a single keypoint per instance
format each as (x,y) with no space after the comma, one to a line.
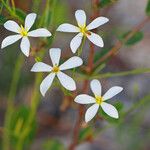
(66,81)
(23,32)
(99,100)
(83,30)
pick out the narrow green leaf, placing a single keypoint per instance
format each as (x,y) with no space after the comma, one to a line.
(119,106)
(104,3)
(2,20)
(53,145)
(85,133)
(38,59)
(21,14)
(20,116)
(148,8)
(100,53)
(61,13)
(137,37)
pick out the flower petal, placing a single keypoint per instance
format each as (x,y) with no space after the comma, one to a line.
(81,18)
(25,46)
(66,27)
(29,21)
(46,83)
(39,33)
(72,62)
(91,112)
(66,81)
(55,54)
(10,40)
(97,22)
(110,110)
(76,42)
(12,26)
(112,92)
(84,99)
(41,67)
(96,87)
(96,39)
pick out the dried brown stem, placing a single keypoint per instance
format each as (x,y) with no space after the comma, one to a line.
(88,69)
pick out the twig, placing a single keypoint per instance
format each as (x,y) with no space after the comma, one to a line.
(85,84)
(119,44)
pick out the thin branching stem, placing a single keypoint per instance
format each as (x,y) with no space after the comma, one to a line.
(119,44)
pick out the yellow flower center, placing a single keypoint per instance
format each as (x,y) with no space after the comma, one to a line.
(23,31)
(84,30)
(99,99)
(55,69)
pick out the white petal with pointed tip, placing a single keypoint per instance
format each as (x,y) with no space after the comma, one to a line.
(25,46)
(110,110)
(12,26)
(66,27)
(72,62)
(66,81)
(97,22)
(39,33)
(55,54)
(84,99)
(91,112)
(96,39)
(112,92)
(80,17)
(29,21)
(46,83)
(10,40)
(76,42)
(96,87)
(41,67)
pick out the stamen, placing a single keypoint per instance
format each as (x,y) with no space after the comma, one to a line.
(84,30)
(99,99)
(55,69)
(23,31)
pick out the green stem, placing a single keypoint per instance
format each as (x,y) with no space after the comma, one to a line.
(34,105)
(137,105)
(13,6)
(36,6)
(124,73)
(81,47)
(11,96)
(118,74)
(12,12)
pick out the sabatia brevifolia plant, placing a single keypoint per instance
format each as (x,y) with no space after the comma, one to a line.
(83,30)
(23,32)
(66,81)
(99,100)
(18,133)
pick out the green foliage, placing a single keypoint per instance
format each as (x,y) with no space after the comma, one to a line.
(119,107)
(85,133)
(3,19)
(104,3)
(20,116)
(100,53)
(61,14)
(148,8)
(21,14)
(38,59)
(137,37)
(53,145)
